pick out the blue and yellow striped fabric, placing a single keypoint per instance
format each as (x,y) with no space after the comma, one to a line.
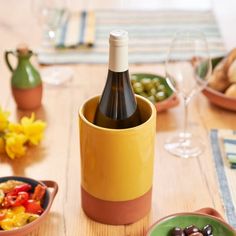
(229,141)
(77,30)
(150,34)
(226,176)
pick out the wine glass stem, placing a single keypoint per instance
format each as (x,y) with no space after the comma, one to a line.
(185,117)
(45,36)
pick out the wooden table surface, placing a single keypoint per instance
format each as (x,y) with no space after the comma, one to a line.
(179,184)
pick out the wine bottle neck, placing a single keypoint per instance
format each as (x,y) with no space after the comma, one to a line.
(118,58)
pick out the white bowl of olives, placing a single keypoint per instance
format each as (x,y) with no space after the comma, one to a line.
(155,89)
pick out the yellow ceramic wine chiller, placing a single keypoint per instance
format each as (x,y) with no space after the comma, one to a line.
(117,166)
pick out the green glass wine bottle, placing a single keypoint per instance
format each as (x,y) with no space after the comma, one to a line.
(117,108)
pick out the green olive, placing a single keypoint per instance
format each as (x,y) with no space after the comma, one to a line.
(147,84)
(156,82)
(152,99)
(160,96)
(161,87)
(152,91)
(134,79)
(138,87)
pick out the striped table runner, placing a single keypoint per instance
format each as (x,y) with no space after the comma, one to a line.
(225,173)
(229,141)
(150,34)
(77,30)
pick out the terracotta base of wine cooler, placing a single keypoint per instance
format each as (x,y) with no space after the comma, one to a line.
(116,213)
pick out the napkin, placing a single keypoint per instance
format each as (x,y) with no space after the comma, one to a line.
(226,176)
(229,143)
(78,30)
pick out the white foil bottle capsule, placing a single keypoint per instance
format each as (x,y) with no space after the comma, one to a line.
(118,53)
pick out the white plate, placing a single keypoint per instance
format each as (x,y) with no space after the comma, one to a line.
(56,75)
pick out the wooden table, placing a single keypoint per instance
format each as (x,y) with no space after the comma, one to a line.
(179,185)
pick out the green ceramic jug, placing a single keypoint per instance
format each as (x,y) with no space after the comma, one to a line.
(26,82)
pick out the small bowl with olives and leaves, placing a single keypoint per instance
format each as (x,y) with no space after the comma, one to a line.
(204,222)
(155,89)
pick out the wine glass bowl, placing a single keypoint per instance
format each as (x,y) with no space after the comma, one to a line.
(187,77)
(187,51)
(50,15)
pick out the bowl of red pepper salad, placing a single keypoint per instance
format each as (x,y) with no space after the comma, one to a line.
(24,203)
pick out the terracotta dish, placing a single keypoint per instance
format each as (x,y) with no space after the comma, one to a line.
(219,98)
(51,192)
(199,218)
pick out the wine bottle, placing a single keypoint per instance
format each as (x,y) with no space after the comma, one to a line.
(117,107)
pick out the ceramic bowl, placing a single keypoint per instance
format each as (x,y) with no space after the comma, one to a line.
(218,98)
(199,218)
(51,192)
(171,100)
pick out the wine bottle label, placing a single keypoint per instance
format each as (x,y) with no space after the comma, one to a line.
(118,54)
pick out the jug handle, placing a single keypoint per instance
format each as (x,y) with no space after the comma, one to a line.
(7,53)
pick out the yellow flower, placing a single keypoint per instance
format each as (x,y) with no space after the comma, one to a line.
(2,145)
(15,128)
(3,119)
(15,145)
(33,129)
(14,137)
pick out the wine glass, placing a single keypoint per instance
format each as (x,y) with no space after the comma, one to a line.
(187,77)
(51,15)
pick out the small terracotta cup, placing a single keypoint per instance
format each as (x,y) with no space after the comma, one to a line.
(52,189)
(117,166)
